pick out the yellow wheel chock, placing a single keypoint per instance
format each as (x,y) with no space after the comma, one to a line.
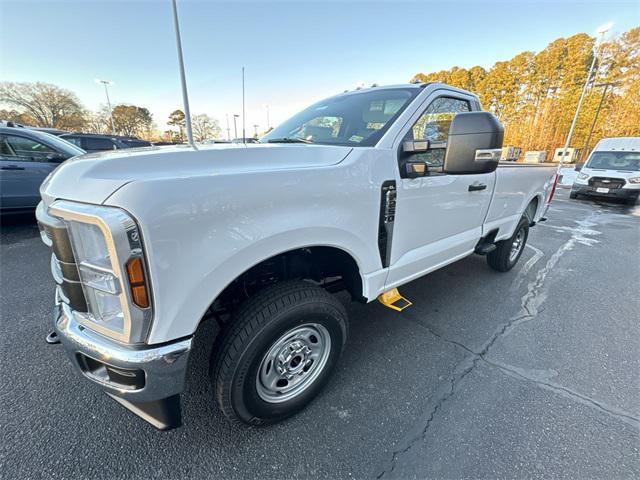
(393,300)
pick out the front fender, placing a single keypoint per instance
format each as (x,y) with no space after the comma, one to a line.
(219,275)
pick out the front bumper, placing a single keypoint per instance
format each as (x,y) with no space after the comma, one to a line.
(146,380)
(612,193)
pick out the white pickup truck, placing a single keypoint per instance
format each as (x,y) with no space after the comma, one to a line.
(362,192)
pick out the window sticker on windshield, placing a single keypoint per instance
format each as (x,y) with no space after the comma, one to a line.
(391,106)
(355,138)
(376,106)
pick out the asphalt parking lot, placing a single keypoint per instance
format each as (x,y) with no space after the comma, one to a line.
(533,373)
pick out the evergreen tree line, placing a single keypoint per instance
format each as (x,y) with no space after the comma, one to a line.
(535,94)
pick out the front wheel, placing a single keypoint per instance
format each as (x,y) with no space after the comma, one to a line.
(279,352)
(573,195)
(508,252)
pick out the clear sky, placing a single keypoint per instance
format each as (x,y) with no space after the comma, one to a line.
(294,52)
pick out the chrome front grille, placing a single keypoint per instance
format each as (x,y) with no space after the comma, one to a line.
(63,263)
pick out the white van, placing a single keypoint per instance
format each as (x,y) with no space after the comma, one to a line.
(612,170)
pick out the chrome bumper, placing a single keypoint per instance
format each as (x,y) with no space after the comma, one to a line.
(163,367)
(139,378)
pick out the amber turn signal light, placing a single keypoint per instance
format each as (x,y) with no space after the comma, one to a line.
(135,272)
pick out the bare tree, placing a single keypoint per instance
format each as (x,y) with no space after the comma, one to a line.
(97,123)
(205,127)
(131,120)
(48,105)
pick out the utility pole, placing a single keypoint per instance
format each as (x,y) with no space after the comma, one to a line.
(228,129)
(595,117)
(244,135)
(106,92)
(183,80)
(235,127)
(601,30)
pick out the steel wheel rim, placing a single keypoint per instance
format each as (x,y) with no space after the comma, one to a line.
(516,246)
(293,362)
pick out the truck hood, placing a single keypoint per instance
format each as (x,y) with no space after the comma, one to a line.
(93,177)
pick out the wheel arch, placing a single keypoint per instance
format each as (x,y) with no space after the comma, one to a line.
(215,273)
(532,208)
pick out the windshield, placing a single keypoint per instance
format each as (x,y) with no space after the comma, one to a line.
(628,161)
(61,144)
(355,119)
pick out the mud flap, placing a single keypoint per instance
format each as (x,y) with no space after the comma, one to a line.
(164,414)
(393,300)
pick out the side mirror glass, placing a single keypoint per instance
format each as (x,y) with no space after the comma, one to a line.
(579,166)
(474,143)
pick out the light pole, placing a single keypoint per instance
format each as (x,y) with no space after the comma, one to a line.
(228,129)
(595,117)
(255,127)
(106,92)
(183,80)
(235,126)
(244,134)
(602,30)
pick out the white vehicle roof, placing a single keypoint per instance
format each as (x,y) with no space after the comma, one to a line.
(631,144)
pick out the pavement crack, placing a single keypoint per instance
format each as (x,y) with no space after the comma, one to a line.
(445,392)
(412,318)
(531,303)
(566,392)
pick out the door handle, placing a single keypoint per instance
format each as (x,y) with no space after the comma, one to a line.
(11,167)
(477,186)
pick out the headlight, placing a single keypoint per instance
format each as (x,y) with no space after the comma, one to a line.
(583,176)
(99,282)
(635,180)
(105,243)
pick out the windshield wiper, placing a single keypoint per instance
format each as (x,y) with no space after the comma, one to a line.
(288,140)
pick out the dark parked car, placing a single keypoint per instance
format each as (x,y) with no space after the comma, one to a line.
(96,143)
(26,158)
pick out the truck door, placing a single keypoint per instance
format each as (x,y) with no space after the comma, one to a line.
(24,164)
(438,217)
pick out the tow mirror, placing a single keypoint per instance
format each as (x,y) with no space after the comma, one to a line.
(414,169)
(420,146)
(474,143)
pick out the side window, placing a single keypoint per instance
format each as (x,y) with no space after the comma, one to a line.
(75,140)
(433,125)
(22,149)
(98,143)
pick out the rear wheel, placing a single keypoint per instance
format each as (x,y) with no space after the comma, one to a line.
(279,352)
(508,252)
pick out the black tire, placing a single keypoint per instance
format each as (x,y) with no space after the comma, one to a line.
(500,259)
(631,201)
(573,195)
(257,326)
